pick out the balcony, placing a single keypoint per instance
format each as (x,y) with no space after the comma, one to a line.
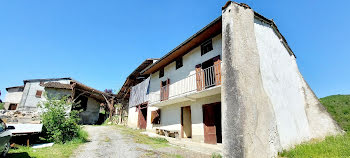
(204,82)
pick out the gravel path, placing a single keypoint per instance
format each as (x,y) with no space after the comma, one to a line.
(108,142)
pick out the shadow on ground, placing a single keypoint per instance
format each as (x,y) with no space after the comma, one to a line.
(18,155)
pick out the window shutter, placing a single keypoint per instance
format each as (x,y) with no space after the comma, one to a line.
(155,117)
(38,94)
(199,75)
(217,69)
(167,89)
(161,91)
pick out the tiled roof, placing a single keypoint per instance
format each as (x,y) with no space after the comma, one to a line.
(56,85)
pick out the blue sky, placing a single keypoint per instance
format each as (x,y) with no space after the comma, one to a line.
(100,42)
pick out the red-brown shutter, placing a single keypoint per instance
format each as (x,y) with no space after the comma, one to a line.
(154,114)
(199,75)
(217,69)
(38,94)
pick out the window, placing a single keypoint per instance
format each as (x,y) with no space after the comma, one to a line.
(179,63)
(161,72)
(164,89)
(206,47)
(155,117)
(38,94)
(12,107)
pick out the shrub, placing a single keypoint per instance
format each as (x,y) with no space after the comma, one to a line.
(2,106)
(59,123)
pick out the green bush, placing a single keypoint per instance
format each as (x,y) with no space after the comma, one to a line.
(2,106)
(59,124)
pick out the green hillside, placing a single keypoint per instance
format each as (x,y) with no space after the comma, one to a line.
(335,146)
(339,107)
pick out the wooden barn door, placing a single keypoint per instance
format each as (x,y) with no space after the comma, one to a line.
(212,123)
(142,118)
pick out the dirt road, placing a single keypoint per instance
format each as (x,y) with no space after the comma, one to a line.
(109,142)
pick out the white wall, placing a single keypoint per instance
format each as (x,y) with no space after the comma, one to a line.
(29,100)
(190,60)
(149,115)
(171,116)
(283,85)
(132,117)
(13,95)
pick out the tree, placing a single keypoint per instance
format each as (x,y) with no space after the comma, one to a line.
(109,91)
(60,124)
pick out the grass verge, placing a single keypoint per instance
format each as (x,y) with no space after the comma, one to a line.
(334,146)
(143,139)
(57,150)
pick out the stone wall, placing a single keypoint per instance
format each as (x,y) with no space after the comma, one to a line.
(18,116)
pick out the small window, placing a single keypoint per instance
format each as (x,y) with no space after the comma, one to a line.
(155,117)
(38,94)
(206,47)
(161,72)
(12,107)
(179,63)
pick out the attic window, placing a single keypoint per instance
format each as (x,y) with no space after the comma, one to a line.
(38,94)
(206,47)
(179,63)
(161,72)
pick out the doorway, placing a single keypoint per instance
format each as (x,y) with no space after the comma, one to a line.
(186,122)
(212,123)
(142,121)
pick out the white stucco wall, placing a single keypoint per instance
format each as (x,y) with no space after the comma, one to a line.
(13,96)
(132,117)
(283,85)
(29,100)
(177,77)
(149,123)
(171,116)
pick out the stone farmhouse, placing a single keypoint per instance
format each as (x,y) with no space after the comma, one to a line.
(235,82)
(25,99)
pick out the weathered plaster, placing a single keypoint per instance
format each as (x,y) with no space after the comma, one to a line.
(132,117)
(171,116)
(91,114)
(267,105)
(13,95)
(249,124)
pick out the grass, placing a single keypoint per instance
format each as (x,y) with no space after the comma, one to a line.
(216,155)
(334,146)
(339,107)
(143,139)
(56,151)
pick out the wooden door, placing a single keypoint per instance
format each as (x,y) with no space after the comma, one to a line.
(142,118)
(212,123)
(186,122)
